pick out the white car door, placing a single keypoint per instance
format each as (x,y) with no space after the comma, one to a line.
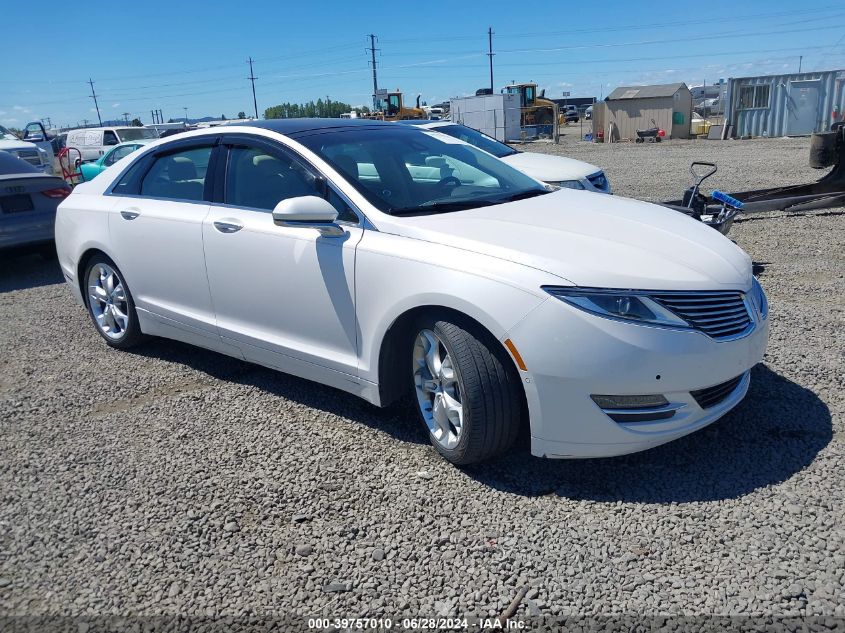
(285,295)
(156,236)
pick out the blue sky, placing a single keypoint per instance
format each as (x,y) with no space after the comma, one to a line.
(193,54)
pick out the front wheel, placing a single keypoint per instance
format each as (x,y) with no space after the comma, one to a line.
(110,304)
(466,389)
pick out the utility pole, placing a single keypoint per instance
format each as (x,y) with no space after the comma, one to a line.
(800,60)
(490,55)
(126,117)
(252,78)
(373,50)
(96,105)
(186,115)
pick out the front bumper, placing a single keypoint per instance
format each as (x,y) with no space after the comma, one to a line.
(570,355)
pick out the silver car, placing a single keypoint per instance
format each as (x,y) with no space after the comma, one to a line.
(28,201)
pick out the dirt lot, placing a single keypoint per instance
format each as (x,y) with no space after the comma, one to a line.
(174,480)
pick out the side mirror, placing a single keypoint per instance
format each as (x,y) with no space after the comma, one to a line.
(308,212)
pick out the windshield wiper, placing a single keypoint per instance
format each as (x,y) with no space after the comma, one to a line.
(442,207)
(522,195)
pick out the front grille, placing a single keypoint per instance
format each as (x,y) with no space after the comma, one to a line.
(599,181)
(712,396)
(720,315)
(29,155)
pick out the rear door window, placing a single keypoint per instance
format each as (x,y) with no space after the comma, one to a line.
(179,175)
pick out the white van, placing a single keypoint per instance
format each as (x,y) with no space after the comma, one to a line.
(93,142)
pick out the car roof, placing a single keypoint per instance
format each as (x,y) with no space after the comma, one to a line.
(290,127)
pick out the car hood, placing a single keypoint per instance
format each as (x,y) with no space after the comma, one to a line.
(592,240)
(8,144)
(550,168)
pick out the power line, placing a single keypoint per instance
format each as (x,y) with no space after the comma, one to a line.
(96,105)
(252,78)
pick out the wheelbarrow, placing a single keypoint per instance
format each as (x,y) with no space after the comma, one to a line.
(653,134)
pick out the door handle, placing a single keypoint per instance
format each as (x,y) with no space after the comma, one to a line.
(129,215)
(228,227)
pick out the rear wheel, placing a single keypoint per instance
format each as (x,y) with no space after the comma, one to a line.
(110,304)
(467,395)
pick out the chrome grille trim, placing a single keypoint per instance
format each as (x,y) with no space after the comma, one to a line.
(722,315)
(31,156)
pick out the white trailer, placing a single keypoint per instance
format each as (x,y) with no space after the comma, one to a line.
(494,115)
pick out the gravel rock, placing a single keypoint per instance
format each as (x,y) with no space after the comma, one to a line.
(304,550)
(378,554)
(122,472)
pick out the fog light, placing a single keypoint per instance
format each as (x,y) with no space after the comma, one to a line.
(652,401)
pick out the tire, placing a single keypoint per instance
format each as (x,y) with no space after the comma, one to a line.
(471,403)
(639,139)
(657,139)
(111,308)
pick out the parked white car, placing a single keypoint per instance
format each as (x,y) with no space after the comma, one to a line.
(26,151)
(608,325)
(554,170)
(93,142)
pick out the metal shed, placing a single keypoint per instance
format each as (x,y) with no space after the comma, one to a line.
(795,104)
(633,107)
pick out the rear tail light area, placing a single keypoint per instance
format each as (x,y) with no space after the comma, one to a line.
(57,193)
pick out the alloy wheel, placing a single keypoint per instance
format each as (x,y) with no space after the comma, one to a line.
(108,301)
(438,389)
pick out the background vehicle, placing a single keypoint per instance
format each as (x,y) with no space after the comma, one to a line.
(36,133)
(93,142)
(39,158)
(554,170)
(28,201)
(570,114)
(535,110)
(393,262)
(91,170)
(392,108)
(588,113)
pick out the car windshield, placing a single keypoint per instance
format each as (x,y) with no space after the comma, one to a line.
(7,135)
(404,171)
(136,133)
(474,137)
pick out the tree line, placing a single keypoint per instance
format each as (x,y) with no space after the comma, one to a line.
(312,109)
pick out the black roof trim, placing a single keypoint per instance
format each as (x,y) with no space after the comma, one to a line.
(290,127)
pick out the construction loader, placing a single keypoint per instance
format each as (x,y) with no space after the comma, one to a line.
(535,110)
(391,107)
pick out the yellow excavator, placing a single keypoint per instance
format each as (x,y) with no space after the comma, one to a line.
(535,109)
(391,107)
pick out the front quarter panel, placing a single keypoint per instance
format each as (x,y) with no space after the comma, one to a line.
(395,274)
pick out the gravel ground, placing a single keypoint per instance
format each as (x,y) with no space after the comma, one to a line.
(174,480)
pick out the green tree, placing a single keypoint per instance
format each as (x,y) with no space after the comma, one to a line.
(241,114)
(137,122)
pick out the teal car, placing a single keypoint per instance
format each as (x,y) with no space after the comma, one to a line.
(91,170)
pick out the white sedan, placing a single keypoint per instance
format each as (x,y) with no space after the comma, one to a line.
(554,170)
(384,261)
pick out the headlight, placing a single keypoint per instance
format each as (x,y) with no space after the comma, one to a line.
(618,304)
(45,158)
(568,184)
(758,297)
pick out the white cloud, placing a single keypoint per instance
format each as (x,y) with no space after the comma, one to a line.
(115,105)
(93,110)
(21,109)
